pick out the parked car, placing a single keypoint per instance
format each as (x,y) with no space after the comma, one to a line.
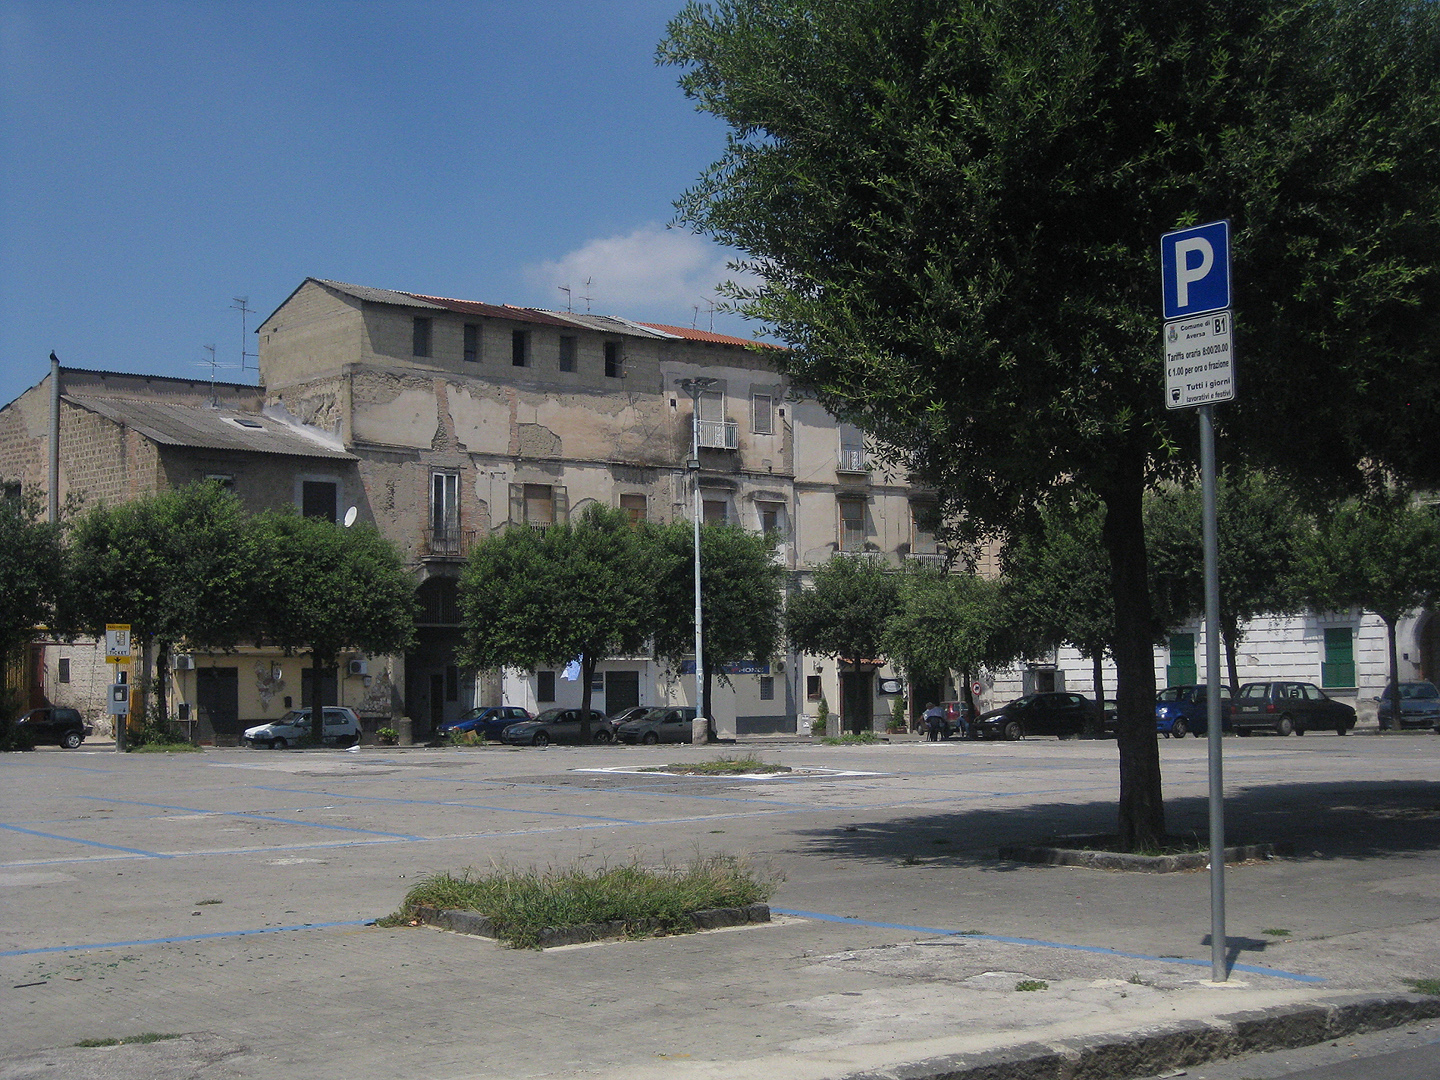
(1419,706)
(557,726)
(487,720)
(340,727)
(1285,706)
(53,725)
(1182,709)
(1058,713)
(657,725)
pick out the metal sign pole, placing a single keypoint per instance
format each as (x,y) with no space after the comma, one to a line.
(1219,972)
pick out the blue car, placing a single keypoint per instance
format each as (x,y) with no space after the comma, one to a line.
(1181,709)
(487,720)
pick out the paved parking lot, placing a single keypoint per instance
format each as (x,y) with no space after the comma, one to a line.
(225,895)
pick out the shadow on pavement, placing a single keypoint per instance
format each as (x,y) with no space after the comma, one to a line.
(1333,820)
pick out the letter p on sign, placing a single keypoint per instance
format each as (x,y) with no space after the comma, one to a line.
(1195,270)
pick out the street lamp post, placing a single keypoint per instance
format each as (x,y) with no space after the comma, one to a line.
(696,387)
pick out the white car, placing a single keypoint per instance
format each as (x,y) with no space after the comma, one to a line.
(342,728)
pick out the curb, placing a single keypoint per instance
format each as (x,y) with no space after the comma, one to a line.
(1175,1046)
(1145,864)
(477,925)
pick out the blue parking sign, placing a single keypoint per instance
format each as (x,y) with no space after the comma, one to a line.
(1195,270)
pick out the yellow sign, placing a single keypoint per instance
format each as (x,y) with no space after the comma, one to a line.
(117,643)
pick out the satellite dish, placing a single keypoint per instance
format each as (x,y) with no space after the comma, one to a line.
(351,515)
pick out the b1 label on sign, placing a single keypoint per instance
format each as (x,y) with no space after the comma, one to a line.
(1199,363)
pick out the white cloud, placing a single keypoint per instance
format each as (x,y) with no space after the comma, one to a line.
(653,272)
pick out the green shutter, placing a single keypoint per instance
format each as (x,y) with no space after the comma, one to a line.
(1181,669)
(1338,670)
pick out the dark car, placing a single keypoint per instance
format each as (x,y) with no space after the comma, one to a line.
(54,725)
(1284,706)
(487,720)
(1182,709)
(657,725)
(557,726)
(1419,706)
(1058,713)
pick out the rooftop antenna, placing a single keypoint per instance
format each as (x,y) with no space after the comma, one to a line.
(212,365)
(566,290)
(694,316)
(711,306)
(587,297)
(242,305)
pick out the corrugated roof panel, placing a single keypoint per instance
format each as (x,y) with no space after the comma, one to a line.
(209,428)
(381,296)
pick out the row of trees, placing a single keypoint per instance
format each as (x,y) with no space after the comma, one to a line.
(191,567)
(606,586)
(1380,554)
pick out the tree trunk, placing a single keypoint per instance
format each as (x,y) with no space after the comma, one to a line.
(162,669)
(588,664)
(317,696)
(1142,811)
(1232,645)
(1095,726)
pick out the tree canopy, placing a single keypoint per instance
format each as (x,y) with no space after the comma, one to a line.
(31,572)
(953,210)
(580,591)
(948,622)
(326,588)
(741,597)
(1381,553)
(843,613)
(1258,526)
(177,566)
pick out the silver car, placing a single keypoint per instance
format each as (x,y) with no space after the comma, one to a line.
(341,728)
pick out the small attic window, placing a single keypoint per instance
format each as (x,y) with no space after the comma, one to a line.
(240,421)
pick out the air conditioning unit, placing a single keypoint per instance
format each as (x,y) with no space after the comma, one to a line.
(359,667)
(184,662)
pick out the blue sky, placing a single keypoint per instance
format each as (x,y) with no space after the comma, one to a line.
(158,160)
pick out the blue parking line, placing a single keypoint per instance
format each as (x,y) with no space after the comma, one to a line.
(1099,950)
(259,817)
(185,937)
(88,843)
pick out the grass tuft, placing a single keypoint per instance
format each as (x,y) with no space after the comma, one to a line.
(749,764)
(1423,986)
(522,903)
(864,738)
(128,1040)
(1032,984)
(1276,931)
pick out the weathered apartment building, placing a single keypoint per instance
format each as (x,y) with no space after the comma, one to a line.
(442,421)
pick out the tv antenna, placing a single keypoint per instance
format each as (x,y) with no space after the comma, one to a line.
(242,305)
(710,305)
(587,297)
(566,290)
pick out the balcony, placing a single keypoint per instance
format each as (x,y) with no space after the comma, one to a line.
(451,542)
(851,460)
(719,435)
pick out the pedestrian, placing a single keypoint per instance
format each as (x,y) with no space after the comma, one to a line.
(934,721)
